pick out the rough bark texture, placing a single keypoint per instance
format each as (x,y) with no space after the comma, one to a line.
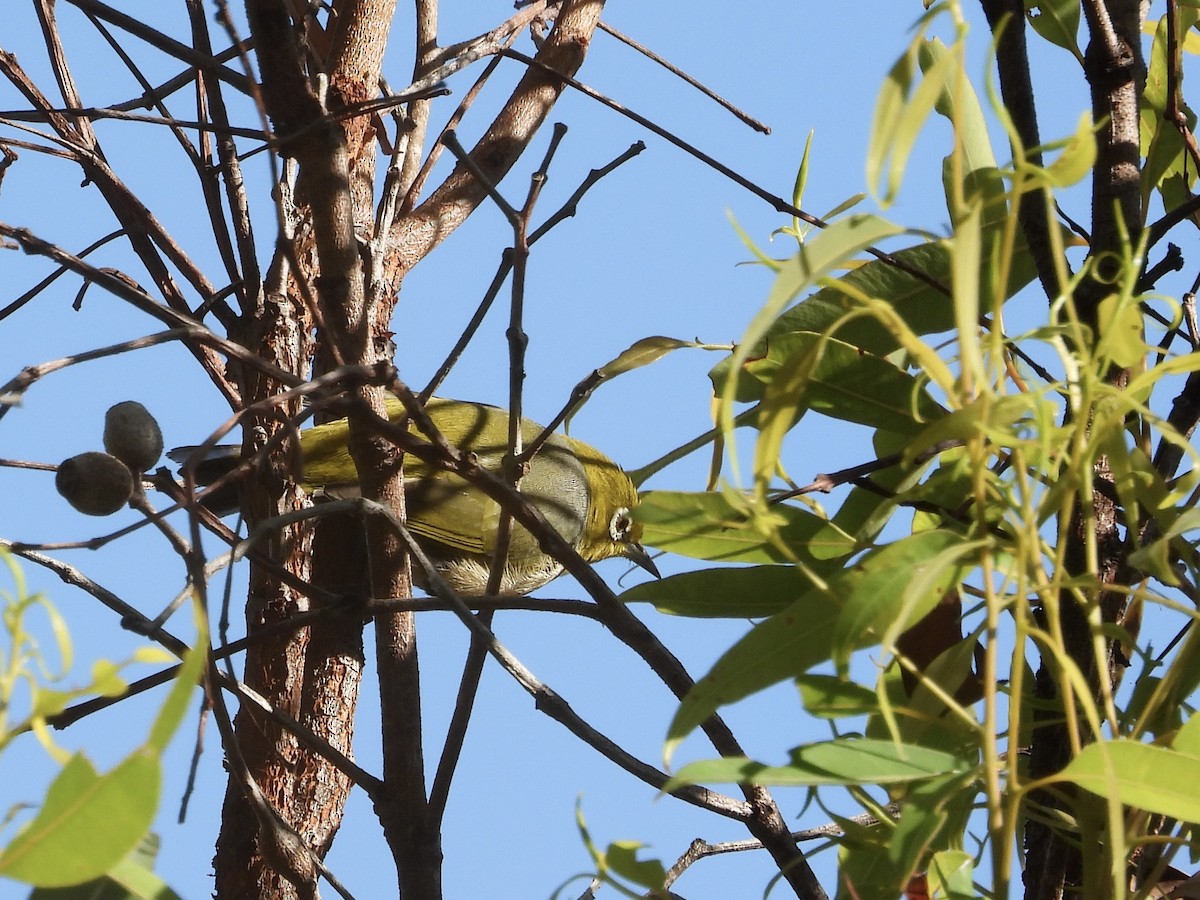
(316,682)
(273,668)
(1115,70)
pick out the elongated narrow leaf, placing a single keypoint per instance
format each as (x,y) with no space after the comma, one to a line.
(856,608)
(821,253)
(736,593)
(642,353)
(707,526)
(784,646)
(844,761)
(1187,740)
(830,697)
(1161,143)
(175,707)
(900,116)
(1151,778)
(622,859)
(1057,21)
(952,874)
(829,376)
(923,306)
(895,586)
(87,823)
(972,162)
(889,108)
(133,878)
(1077,157)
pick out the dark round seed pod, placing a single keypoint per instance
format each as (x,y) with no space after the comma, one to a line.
(132,435)
(95,483)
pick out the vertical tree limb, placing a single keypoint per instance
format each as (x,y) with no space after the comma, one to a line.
(1115,71)
(1006,18)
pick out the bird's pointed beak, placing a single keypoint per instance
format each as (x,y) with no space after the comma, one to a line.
(636,553)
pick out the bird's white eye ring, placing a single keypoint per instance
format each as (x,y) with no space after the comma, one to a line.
(618,527)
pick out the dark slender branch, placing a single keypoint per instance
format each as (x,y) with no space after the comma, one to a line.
(1006,18)
(700,849)
(776,202)
(827,482)
(55,275)
(1185,210)
(162,42)
(566,211)
(679,73)
(548,701)
(767,823)
(1172,261)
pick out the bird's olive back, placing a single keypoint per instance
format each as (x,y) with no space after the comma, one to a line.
(445,508)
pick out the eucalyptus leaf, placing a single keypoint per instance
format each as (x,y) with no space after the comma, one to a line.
(706,525)
(622,860)
(951,876)
(843,382)
(87,823)
(891,588)
(819,256)
(845,761)
(133,878)
(741,593)
(831,697)
(1057,21)
(846,613)
(784,646)
(919,302)
(1155,779)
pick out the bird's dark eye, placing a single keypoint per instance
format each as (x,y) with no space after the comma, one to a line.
(619,527)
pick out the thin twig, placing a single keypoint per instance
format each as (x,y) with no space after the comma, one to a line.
(679,73)
(776,202)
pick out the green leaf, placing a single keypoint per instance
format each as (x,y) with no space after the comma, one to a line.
(923,307)
(707,526)
(87,823)
(133,878)
(900,114)
(864,512)
(1187,739)
(622,859)
(1057,21)
(1151,778)
(951,873)
(845,761)
(834,246)
(106,678)
(738,593)
(643,353)
(934,813)
(841,381)
(896,585)
(1161,142)
(784,646)
(865,867)
(973,160)
(876,598)
(174,708)
(830,697)
(1078,156)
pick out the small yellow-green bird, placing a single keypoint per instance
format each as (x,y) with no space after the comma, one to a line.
(583,494)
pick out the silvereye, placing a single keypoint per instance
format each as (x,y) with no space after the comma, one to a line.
(583,494)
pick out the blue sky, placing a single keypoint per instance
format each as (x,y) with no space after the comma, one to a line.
(651,251)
